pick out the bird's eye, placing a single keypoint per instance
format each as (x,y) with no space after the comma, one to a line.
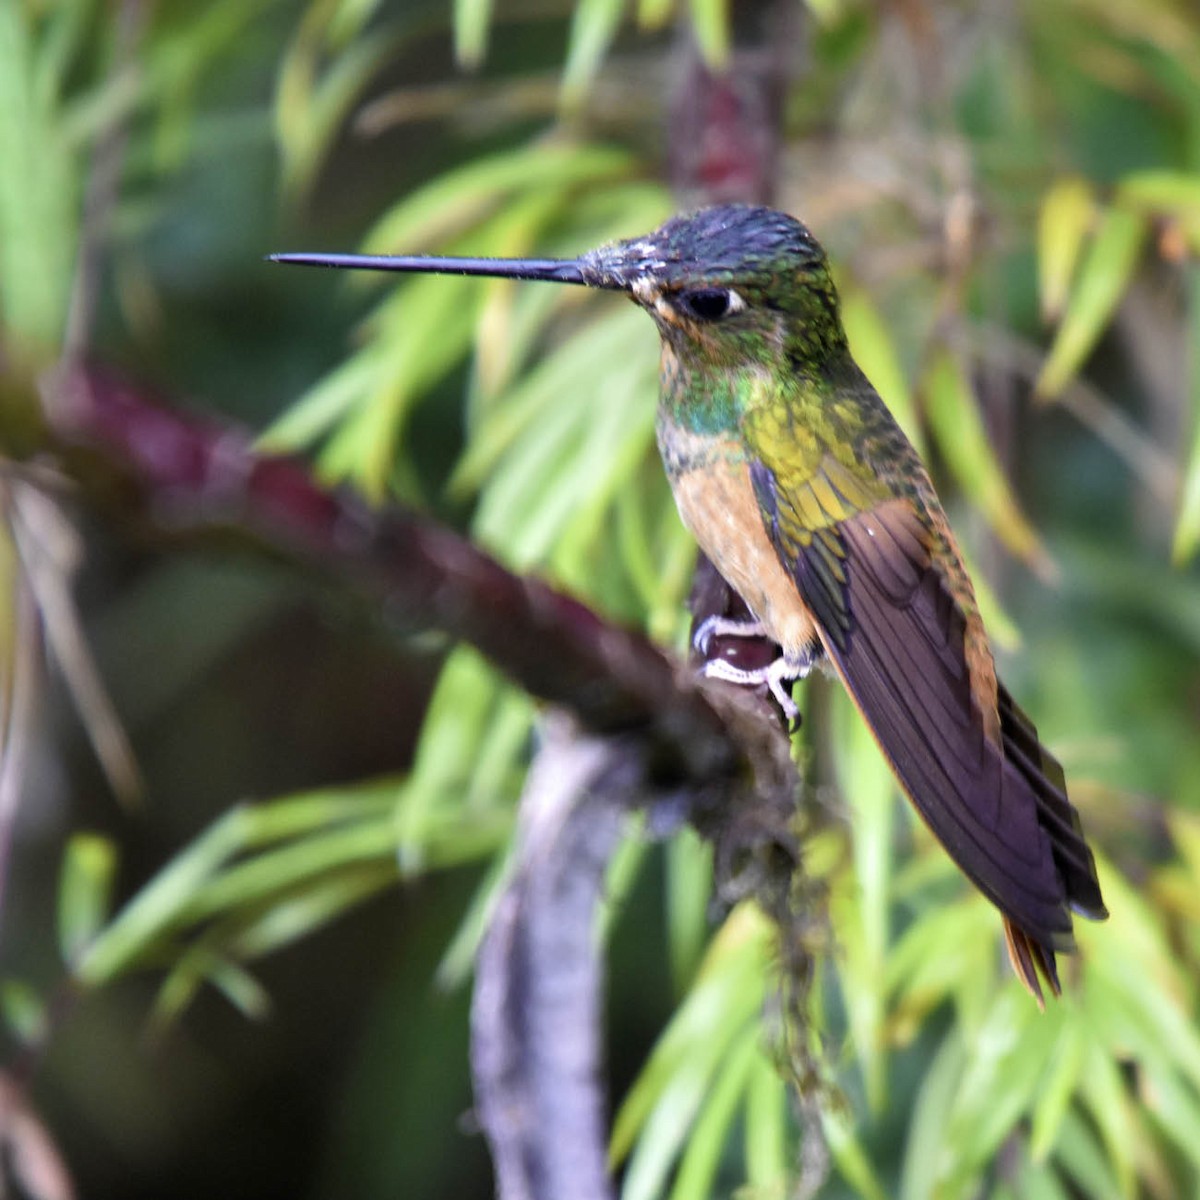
(709,304)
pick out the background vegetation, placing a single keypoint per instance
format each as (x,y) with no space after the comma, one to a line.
(219,997)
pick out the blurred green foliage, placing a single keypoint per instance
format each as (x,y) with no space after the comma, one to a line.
(1011,194)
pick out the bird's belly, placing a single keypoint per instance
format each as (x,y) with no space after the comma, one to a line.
(717,503)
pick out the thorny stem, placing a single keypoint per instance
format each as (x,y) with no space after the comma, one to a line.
(200,478)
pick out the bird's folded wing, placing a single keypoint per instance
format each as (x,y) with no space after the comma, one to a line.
(896,637)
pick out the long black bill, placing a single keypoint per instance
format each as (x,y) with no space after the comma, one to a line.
(554,270)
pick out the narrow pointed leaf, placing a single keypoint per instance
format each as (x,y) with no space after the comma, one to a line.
(875,351)
(853,1162)
(689,885)
(707,1140)
(1067,213)
(962,439)
(463,197)
(84,892)
(24,1012)
(1187,525)
(653,14)
(472,20)
(727,991)
(710,21)
(1084,1161)
(593,28)
(1104,274)
(870,792)
(930,1118)
(1057,1088)
(767,1158)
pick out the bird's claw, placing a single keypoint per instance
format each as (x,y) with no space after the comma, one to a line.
(774,676)
(716,626)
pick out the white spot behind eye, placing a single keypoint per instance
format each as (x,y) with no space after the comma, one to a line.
(645,289)
(736,303)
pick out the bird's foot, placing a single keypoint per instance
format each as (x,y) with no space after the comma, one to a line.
(782,670)
(715,626)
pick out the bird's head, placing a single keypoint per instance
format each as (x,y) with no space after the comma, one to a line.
(726,285)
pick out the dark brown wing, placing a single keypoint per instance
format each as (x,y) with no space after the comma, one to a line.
(898,640)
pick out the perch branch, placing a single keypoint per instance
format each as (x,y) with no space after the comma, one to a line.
(194,477)
(535,1040)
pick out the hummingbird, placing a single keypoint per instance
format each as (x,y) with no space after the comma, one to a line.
(812,504)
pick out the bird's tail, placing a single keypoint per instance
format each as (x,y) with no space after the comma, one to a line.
(1033,960)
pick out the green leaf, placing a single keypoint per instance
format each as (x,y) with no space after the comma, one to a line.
(458,961)
(593,27)
(316,91)
(1003,1071)
(349,18)
(241,989)
(195,885)
(1162,190)
(1173,194)
(767,1158)
(710,22)
(421,332)
(653,14)
(310,907)
(1084,1160)
(923,970)
(202,964)
(1103,1095)
(138,929)
(273,871)
(1038,1182)
(24,1012)
(660,1106)
(84,892)
(827,12)
(535,409)
(572,457)
(321,408)
(475,731)
(1001,628)
(875,351)
(698,1167)
(689,885)
(1104,275)
(38,196)
(472,20)
(462,198)
(849,1154)
(861,911)
(1067,213)
(1187,525)
(1057,1089)
(930,1119)
(962,439)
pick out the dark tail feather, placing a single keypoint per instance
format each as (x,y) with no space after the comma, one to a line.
(1056,814)
(1032,962)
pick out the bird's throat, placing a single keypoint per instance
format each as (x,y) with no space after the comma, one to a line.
(704,403)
